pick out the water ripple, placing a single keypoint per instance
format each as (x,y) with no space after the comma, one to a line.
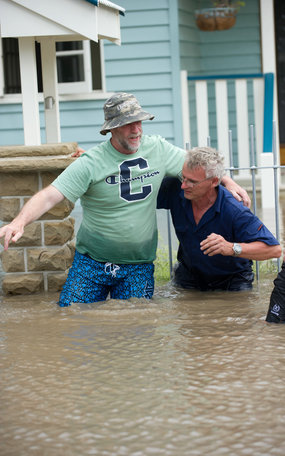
(188,374)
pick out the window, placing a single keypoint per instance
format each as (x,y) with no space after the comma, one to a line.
(10,50)
(79,66)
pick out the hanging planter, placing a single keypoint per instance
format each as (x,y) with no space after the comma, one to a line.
(221,17)
(210,19)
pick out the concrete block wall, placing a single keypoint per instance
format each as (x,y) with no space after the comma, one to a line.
(40,260)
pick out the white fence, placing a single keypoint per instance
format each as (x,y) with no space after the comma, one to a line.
(250,141)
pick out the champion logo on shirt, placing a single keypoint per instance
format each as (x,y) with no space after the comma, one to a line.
(118,179)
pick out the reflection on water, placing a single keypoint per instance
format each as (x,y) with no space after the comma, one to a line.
(185,374)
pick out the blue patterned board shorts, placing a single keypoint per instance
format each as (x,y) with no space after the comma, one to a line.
(91,281)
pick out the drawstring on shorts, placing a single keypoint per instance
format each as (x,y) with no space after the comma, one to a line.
(111,268)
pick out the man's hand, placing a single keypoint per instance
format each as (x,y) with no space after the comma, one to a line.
(11,232)
(78,152)
(215,244)
(236,190)
(40,203)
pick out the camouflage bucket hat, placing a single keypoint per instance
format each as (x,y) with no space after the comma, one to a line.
(122,109)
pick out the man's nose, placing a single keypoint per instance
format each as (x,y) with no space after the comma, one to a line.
(135,127)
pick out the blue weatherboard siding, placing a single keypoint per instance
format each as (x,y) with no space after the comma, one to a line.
(232,51)
(11,125)
(159,38)
(190,58)
(189,38)
(80,122)
(147,63)
(175,61)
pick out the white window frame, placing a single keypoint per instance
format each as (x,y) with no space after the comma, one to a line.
(67,91)
(80,86)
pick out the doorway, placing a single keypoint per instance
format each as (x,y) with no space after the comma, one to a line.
(279,10)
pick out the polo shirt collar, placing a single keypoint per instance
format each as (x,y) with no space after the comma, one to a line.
(186,204)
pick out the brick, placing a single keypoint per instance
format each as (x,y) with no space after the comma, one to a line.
(58,233)
(49,259)
(56,281)
(17,284)
(9,208)
(13,260)
(18,184)
(48,178)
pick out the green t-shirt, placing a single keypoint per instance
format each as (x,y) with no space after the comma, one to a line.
(118,195)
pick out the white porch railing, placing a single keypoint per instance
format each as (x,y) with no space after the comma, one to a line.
(197,108)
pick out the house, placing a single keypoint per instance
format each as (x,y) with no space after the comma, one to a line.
(31,32)
(160,42)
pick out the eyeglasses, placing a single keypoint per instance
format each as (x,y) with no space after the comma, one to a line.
(190,183)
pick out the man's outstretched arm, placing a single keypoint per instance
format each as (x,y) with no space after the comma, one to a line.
(40,203)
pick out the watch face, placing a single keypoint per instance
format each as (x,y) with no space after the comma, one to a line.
(237,249)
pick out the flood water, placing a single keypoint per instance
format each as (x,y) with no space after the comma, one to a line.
(185,374)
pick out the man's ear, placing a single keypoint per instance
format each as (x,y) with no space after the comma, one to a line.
(215,182)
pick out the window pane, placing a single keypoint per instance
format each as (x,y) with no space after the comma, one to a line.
(12,78)
(69,46)
(70,68)
(11,62)
(96,66)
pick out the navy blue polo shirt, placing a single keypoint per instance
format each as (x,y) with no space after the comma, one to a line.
(227,217)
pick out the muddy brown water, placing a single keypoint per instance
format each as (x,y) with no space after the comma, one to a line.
(184,374)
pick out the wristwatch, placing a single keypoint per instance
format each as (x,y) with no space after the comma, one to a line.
(237,249)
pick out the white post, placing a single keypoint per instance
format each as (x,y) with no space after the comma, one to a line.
(222,119)
(185,108)
(87,64)
(202,112)
(267,181)
(242,125)
(51,103)
(269,66)
(258,96)
(28,70)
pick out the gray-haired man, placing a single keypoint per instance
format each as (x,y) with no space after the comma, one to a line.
(218,236)
(117,183)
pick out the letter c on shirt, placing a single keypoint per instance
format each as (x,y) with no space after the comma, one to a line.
(125,184)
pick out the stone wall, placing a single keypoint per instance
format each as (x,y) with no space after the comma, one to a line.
(39,261)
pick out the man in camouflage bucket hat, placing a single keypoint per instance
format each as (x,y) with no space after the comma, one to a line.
(122,109)
(117,182)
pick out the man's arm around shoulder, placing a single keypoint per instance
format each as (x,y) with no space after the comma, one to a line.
(236,190)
